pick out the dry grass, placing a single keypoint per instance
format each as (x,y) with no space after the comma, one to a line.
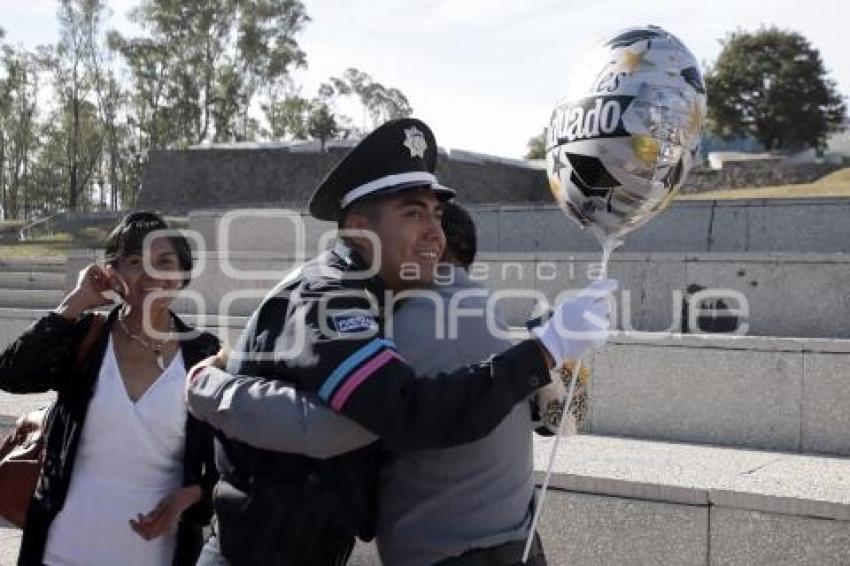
(33,250)
(59,244)
(836,184)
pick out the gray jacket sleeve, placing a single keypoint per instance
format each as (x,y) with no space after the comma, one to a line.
(272,415)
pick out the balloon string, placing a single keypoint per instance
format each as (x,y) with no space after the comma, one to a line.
(608,246)
(538,511)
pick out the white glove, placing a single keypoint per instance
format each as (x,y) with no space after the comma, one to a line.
(578,325)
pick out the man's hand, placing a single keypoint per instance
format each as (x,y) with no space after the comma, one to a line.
(164,517)
(578,325)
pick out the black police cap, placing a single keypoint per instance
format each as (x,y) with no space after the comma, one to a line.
(398,155)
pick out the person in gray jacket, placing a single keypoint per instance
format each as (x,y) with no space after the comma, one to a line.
(470,504)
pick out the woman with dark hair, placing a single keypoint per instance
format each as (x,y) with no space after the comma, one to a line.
(127,472)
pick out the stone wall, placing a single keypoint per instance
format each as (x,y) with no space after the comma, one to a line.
(736,176)
(227,177)
(257,175)
(723,226)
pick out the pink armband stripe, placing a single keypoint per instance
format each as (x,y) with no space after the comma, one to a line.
(360,376)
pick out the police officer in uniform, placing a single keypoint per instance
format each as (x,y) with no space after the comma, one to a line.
(322,330)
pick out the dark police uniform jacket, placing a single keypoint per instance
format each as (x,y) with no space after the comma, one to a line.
(322,329)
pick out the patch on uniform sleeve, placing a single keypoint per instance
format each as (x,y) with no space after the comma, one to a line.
(353,322)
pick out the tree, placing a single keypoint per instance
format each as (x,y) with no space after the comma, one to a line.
(79,24)
(772,85)
(18,115)
(201,71)
(296,117)
(204,62)
(111,100)
(288,117)
(322,124)
(380,103)
(537,146)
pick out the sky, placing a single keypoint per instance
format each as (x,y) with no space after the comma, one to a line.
(485,74)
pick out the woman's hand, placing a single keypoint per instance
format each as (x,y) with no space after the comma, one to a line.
(164,517)
(94,285)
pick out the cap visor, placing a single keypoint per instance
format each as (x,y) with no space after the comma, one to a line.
(443,193)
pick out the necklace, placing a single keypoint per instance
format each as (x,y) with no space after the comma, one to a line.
(156,347)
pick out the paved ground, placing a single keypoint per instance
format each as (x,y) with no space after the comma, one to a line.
(10,538)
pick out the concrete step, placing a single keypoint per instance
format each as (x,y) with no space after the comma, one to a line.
(635,502)
(49,265)
(615,501)
(36,280)
(30,298)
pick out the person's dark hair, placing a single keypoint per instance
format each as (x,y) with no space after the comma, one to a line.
(461,241)
(129,236)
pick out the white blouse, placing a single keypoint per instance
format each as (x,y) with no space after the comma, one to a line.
(130,456)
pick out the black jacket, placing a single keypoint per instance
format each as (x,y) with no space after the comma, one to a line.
(323,330)
(42,359)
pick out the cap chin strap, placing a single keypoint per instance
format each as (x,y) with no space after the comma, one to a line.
(388,181)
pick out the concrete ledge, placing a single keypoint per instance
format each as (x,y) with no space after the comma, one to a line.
(30,299)
(729,342)
(784,394)
(625,502)
(21,314)
(770,482)
(32,280)
(51,265)
(753,225)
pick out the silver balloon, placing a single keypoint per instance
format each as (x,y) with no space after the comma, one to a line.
(621,142)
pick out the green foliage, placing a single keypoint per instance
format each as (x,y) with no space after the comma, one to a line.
(78,119)
(537,146)
(288,117)
(772,85)
(322,124)
(204,62)
(19,86)
(74,72)
(380,103)
(295,117)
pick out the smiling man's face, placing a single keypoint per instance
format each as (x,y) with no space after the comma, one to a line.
(412,241)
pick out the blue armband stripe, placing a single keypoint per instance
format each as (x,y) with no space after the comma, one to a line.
(344,369)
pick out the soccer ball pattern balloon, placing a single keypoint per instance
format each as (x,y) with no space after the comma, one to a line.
(622,140)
